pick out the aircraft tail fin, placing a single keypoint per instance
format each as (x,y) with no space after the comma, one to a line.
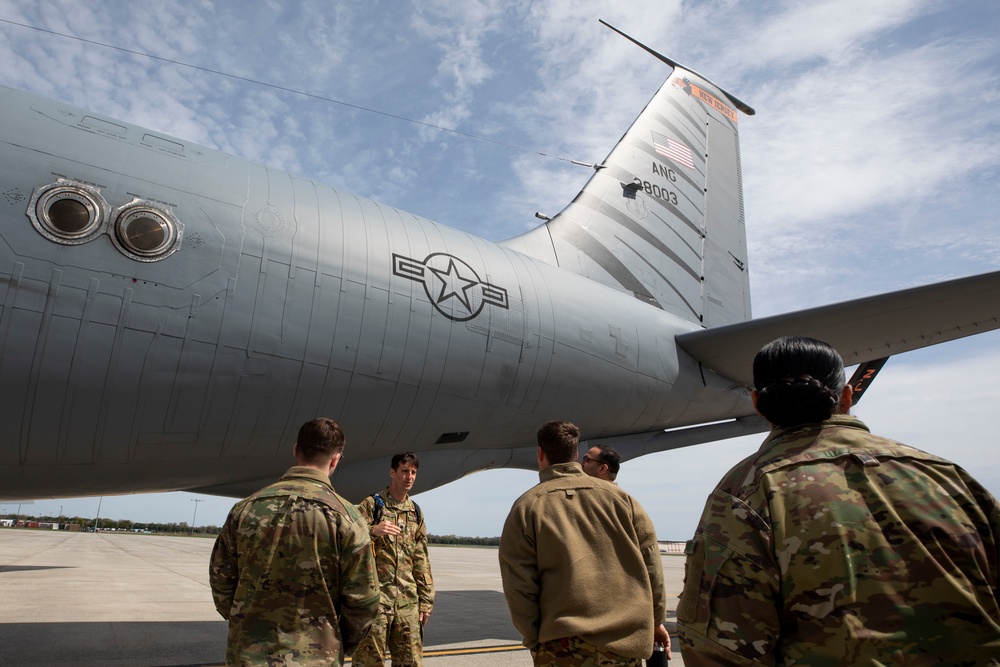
(662,217)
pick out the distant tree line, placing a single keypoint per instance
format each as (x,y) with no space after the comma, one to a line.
(124,525)
(465,541)
(182,528)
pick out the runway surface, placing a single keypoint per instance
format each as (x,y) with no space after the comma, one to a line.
(89,600)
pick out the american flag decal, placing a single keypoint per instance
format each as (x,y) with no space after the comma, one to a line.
(674,150)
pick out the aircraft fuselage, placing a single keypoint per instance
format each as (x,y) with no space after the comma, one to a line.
(284,300)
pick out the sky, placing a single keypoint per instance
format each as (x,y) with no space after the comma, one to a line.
(872,163)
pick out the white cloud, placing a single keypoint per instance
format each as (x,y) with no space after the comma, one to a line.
(877,133)
(832,30)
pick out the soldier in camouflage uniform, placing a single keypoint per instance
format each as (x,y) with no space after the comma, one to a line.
(404,572)
(832,546)
(292,570)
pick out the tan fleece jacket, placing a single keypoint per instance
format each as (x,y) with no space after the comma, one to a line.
(579,557)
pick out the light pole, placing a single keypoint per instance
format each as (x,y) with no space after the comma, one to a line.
(195,517)
(97,520)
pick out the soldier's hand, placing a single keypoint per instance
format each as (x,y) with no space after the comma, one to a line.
(661,636)
(386,527)
(424,617)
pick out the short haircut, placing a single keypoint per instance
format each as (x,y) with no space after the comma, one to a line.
(798,380)
(320,439)
(559,441)
(609,457)
(405,457)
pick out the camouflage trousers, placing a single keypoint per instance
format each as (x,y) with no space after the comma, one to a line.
(397,635)
(574,652)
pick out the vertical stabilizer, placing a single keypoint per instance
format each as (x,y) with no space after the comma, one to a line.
(662,217)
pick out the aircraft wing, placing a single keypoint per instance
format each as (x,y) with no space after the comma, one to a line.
(862,329)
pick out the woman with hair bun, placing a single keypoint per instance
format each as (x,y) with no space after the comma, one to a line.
(833,546)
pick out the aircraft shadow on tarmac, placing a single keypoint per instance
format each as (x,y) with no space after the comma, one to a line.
(459,616)
(469,616)
(125,643)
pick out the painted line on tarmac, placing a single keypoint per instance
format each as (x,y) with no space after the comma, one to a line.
(442,653)
(477,649)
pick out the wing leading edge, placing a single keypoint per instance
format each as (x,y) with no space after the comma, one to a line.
(861,329)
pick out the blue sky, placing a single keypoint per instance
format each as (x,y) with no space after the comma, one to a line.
(872,163)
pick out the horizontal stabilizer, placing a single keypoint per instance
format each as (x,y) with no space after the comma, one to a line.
(639,444)
(862,329)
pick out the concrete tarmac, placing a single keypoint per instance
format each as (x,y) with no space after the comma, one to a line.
(89,600)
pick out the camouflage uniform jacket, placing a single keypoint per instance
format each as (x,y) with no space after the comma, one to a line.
(293,573)
(832,546)
(579,558)
(404,570)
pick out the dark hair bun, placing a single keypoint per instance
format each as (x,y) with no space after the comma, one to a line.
(796,400)
(798,380)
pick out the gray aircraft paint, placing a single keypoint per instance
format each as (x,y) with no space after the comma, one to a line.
(286,299)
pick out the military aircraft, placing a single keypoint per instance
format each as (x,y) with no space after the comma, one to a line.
(172,314)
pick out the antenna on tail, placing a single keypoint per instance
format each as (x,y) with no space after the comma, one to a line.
(738,103)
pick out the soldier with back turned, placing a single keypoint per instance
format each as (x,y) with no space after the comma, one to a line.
(834,546)
(292,570)
(581,565)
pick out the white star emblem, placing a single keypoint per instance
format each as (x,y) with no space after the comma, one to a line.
(453,284)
